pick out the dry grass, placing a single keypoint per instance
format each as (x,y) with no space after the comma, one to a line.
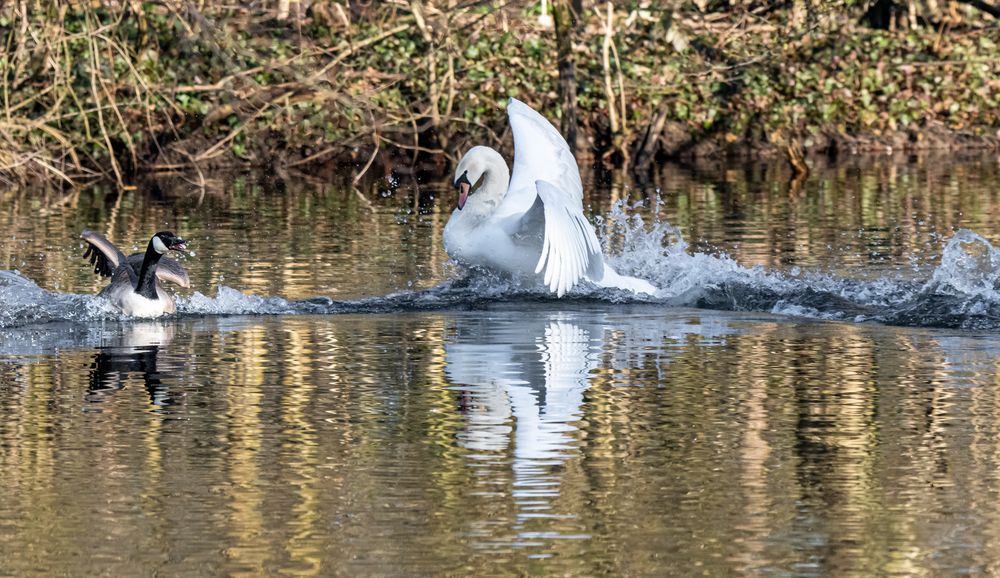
(112,89)
(89,90)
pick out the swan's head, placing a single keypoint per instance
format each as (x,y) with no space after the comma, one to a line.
(166,241)
(474,169)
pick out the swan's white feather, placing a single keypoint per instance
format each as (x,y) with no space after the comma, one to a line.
(570,247)
(540,154)
(531,222)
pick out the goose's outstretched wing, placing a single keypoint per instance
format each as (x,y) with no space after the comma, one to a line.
(570,248)
(540,153)
(102,253)
(167,270)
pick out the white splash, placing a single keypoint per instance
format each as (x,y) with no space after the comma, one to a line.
(22,302)
(658,253)
(970,267)
(229,301)
(963,290)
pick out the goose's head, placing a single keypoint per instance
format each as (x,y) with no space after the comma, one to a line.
(480,168)
(166,241)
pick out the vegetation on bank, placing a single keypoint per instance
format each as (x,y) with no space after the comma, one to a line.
(117,88)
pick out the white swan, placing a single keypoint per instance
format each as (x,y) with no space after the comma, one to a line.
(531,222)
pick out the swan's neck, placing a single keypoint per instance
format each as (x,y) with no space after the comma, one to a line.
(146,284)
(496,178)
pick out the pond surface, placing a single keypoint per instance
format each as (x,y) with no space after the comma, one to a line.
(814,391)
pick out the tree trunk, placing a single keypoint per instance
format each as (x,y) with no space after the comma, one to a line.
(562,13)
(991,9)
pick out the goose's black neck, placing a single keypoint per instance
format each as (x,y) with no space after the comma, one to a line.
(146,283)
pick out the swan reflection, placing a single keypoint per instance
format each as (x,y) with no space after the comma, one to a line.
(522,379)
(522,385)
(539,382)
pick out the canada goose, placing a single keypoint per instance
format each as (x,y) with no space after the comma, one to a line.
(135,286)
(531,222)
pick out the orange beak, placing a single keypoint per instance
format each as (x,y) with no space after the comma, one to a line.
(463,194)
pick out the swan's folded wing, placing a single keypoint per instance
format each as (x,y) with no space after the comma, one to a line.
(570,248)
(540,153)
(102,253)
(167,270)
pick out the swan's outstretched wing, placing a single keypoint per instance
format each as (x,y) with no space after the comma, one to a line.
(540,153)
(570,248)
(102,253)
(167,270)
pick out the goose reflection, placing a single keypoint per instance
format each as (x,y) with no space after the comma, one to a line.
(134,351)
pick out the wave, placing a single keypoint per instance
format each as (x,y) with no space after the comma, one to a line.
(963,290)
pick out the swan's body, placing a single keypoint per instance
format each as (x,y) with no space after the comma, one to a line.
(135,280)
(531,222)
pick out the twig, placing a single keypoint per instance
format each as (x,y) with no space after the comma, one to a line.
(349,50)
(370,160)
(218,85)
(442,152)
(967,61)
(51,132)
(314,156)
(215,149)
(621,87)
(95,65)
(114,107)
(608,90)
(59,173)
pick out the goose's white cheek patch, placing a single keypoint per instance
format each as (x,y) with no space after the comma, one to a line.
(159,246)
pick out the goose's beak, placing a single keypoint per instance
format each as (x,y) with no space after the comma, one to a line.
(178,245)
(463,194)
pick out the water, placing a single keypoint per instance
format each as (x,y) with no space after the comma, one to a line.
(813,391)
